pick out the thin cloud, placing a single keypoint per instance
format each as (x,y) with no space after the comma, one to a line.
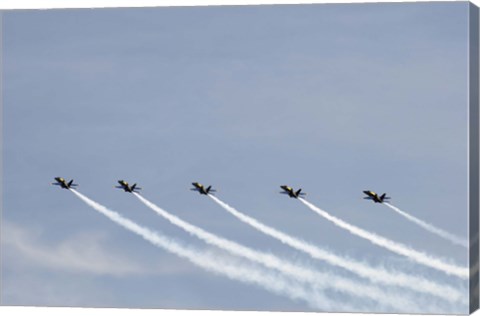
(84,253)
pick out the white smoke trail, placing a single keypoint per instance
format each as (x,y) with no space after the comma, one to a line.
(375,274)
(259,277)
(437,231)
(398,248)
(320,280)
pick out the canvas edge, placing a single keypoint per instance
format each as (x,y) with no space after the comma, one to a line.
(473,100)
(1,149)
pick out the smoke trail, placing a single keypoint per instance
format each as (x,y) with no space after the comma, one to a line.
(398,248)
(437,231)
(320,280)
(235,272)
(375,274)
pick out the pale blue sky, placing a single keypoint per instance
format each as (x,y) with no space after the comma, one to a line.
(333,98)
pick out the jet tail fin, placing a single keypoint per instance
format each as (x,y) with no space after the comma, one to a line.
(298,192)
(382,197)
(70,183)
(209,188)
(133,186)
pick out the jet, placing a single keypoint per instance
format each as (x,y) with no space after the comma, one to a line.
(291,193)
(201,189)
(63,183)
(375,198)
(127,188)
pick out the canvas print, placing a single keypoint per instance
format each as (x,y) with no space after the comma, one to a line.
(308,158)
